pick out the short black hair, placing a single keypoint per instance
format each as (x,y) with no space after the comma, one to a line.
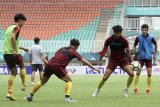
(74,42)
(145,26)
(19,16)
(117,28)
(36,40)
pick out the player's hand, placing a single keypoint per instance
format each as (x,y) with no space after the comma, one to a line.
(100,63)
(134,50)
(154,57)
(98,70)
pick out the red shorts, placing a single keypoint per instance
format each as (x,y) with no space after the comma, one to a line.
(114,63)
(12,60)
(148,63)
(59,71)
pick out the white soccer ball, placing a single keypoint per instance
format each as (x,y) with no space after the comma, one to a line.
(135,65)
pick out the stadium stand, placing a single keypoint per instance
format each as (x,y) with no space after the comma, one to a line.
(59,20)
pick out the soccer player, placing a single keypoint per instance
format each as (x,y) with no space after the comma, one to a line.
(57,65)
(11,53)
(118,47)
(36,59)
(145,49)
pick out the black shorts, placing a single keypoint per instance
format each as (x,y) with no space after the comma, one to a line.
(13,60)
(38,67)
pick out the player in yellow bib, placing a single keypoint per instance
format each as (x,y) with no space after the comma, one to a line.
(11,53)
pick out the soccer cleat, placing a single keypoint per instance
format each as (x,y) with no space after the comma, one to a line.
(95,93)
(125,91)
(29,97)
(135,91)
(68,99)
(147,92)
(11,97)
(23,88)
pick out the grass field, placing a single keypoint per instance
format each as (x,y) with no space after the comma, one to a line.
(52,94)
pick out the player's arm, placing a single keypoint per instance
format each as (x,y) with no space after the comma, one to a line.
(30,58)
(135,44)
(128,51)
(13,39)
(155,44)
(80,58)
(25,49)
(89,64)
(30,55)
(129,54)
(104,50)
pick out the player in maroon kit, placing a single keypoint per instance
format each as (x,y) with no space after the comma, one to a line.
(119,50)
(57,65)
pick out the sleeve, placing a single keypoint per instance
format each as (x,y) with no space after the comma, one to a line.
(126,45)
(154,41)
(105,47)
(136,41)
(106,43)
(77,55)
(16,29)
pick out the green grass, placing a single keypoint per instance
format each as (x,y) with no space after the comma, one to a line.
(52,94)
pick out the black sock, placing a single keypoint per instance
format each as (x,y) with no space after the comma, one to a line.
(31,94)
(66,95)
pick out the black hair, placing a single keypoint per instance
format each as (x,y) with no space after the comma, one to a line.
(19,16)
(74,42)
(117,28)
(36,40)
(145,26)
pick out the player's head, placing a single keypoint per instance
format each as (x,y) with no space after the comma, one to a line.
(36,40)
(144,29)
(75,43)
(20,19)
(117,29)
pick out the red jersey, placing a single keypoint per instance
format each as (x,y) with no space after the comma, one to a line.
(64,55)
(117,47)
(17,31)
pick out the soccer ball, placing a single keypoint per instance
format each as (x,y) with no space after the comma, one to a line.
(135,65)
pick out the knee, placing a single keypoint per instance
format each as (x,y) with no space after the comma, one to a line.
(21,66)
(131,74)
(69,80)
(138,73)
(104,79)
(14,74)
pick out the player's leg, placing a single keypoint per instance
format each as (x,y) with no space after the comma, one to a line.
(46,75)
(40,69)
(124,64)
(110,68)
(149,78)
(136,80)
(10,83)
(130,72)
(36,87)
(19,61)
(32,78)
(34,69)
(9,59)
(107,74)
(68,88)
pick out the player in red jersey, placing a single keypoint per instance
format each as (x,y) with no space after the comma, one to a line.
(118,46)
(57,65)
